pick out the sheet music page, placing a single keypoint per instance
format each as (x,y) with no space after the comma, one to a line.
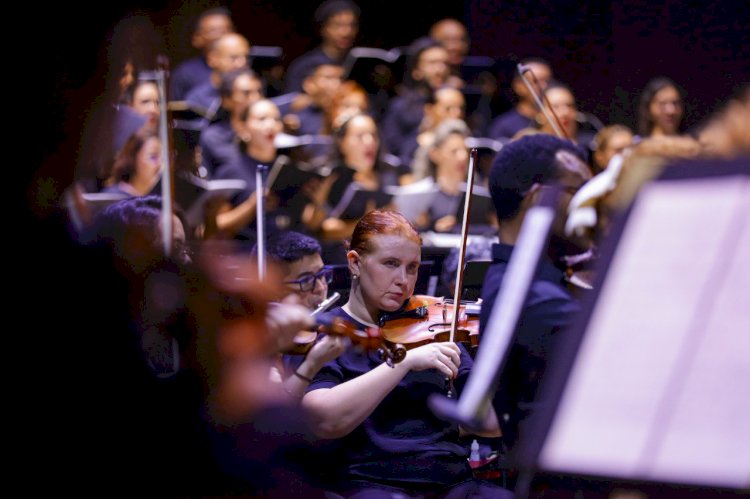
(413,200)
(659,390)
(445,240)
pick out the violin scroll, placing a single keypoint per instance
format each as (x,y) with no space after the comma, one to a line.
(368,339)
(392,354)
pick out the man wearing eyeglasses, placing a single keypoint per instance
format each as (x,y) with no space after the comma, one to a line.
(298,258)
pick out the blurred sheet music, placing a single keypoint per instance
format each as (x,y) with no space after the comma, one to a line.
(446,240)
(413,200)
(658,390)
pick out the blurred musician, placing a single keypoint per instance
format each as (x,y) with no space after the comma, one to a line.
(520,171)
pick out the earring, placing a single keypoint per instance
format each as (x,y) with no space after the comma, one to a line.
(355,276)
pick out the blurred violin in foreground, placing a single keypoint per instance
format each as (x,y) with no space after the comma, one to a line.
(368,339)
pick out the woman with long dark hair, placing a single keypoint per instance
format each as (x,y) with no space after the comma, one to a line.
(660,108)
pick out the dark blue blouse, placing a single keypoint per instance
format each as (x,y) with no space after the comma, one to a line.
(402,443)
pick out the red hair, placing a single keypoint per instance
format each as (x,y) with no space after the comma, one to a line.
(346,89)
(381,222)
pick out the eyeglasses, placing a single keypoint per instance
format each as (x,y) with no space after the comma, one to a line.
(307,283)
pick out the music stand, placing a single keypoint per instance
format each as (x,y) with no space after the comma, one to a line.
(482,214)
(374,68)
(649,389)
(474,274)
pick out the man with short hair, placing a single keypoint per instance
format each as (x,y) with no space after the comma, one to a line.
(211,25)
(426,71)
(338,22)
(298,257)
(525,110)
(519,174)
(220,141)
(229,53)
(306,115)
(452,34)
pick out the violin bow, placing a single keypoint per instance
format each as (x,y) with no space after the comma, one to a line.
(462,255)
(476,398)
(159,76)
(260,223)
(549,113)
(462,247)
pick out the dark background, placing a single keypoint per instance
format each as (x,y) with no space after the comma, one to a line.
(606,51)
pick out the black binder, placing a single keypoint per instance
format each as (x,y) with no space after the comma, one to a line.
(355,199)
(374,68)
(191,193)
(482,211)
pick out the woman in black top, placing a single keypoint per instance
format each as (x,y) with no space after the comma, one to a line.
(358,176)
(390,440)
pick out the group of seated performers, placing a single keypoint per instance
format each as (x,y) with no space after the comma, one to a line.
(246,352)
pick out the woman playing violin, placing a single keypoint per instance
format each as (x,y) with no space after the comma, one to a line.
(391,441)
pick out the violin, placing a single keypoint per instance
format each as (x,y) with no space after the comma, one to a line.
(453,333)
(425,319)
(304,340)
(580,270)
(369,339)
